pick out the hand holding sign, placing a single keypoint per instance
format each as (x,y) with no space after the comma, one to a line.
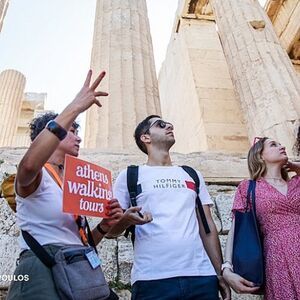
(87,189)
(115,213)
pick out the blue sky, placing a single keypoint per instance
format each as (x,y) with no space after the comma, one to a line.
(50,42)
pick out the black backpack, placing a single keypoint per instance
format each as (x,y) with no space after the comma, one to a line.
(134,190)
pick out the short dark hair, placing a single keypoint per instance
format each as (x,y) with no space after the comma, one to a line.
(142,129)
(39,123)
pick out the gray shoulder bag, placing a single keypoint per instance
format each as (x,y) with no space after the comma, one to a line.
(77,273)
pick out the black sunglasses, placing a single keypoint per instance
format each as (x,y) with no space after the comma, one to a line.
(160,123)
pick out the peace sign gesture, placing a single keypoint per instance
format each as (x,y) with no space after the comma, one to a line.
(87,96)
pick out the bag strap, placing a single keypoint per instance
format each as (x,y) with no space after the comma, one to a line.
(51,170)
(195,177)
(132,179)
(42,254)
(90,236)
(38,249)
(251,194)
(251,198)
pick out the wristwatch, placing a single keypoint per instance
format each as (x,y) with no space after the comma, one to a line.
(101,230)
(226,264)
(56,129)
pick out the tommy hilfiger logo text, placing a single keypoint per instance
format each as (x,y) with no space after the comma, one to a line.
(168,184)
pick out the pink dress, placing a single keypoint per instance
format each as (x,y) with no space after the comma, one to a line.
(279,220)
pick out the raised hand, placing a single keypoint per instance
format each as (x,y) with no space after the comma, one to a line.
(87,96)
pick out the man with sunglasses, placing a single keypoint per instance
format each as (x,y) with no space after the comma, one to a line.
(171,260)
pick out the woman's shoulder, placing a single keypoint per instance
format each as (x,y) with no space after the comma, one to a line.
(243,185)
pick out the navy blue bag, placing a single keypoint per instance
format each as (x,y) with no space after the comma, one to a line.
(247,256)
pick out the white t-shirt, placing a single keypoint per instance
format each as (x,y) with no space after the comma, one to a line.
(170,245)
(41,215)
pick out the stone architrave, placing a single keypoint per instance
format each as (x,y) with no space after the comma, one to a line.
(261,70)
(12,84)
(3,9)
(122,46)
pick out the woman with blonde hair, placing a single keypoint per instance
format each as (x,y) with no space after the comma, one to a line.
(278,216)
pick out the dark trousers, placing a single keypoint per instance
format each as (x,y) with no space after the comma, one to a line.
(177,288)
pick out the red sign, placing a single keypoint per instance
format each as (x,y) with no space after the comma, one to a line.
(87,188)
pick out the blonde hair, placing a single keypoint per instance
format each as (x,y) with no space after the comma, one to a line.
(256,165)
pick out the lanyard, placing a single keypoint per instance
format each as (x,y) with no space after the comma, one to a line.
(77,218)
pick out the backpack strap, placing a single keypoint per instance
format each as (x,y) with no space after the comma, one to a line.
(132,179)
(195,177)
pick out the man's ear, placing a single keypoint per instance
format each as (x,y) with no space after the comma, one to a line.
(145,138)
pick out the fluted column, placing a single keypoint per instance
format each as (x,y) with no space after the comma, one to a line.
(3,9)
(262,72)
(195,87)
(122,46)
(12,84)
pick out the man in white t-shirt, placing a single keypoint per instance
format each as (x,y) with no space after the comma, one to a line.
(171,259)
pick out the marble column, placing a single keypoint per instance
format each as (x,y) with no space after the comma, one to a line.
(3,9)
(196,90)
(262,73)
(122,46)
(12,84)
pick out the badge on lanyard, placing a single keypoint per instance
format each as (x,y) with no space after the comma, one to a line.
(93,259)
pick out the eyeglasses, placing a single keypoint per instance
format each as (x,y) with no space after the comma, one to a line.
(160,123)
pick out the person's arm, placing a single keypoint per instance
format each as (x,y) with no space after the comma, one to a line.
(211,241)
(238,283)
(212,247)
(29,170)
(118,221)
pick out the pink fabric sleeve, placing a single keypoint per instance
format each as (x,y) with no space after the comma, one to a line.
(240,198)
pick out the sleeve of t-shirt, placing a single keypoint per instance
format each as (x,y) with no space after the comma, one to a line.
(204,195)
(120,190)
